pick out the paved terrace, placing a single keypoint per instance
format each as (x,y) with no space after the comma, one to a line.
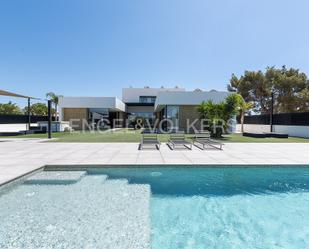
(18,157)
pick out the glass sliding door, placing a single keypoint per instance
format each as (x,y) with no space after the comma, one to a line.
(172,114)
(147,117)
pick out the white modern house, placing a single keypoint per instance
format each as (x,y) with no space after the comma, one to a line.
(91,109)
(152,104)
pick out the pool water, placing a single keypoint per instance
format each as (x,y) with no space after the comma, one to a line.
(226,207)
(190,208)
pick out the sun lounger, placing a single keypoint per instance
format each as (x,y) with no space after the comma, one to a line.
(150,139)
(179,139)
(202,138)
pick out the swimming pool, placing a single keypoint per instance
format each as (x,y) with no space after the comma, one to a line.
(199,207)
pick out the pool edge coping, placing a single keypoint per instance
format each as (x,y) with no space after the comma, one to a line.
(68,167)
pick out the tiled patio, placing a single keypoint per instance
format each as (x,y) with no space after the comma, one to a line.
(18,157)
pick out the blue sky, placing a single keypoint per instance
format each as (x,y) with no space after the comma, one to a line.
(97,47)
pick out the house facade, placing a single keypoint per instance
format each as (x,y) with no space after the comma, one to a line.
(152,104)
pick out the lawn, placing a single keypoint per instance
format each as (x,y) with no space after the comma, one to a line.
(130,135)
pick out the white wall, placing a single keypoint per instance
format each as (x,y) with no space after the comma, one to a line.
(14,127)
(188,98)
(131,95)
(253,128)
(88,102)
(292,130)
(120,105)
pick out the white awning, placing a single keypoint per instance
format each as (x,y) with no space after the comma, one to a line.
(111,103)
(187,98)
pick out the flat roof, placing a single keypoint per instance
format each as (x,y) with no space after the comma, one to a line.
(132,95)
(112,103)
(188,98)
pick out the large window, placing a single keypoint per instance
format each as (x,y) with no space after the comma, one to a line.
(172,114)
(98,116)
(141,115)
(147,99)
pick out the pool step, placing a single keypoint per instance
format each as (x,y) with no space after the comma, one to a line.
(56,177)
(128,207)
(95,212)
(118,182)
(122,212)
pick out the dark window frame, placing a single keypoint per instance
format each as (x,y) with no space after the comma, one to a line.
(153,99)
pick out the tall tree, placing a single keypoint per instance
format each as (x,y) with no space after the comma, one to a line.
(253,87)
(289,86)
(38,109)
(304,99)
(10,108)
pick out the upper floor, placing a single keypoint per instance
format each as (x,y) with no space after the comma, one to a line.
(145,95)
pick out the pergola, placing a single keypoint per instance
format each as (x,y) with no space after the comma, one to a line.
(10,94)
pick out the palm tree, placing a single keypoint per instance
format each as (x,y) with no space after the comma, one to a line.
(215,113)
(55,99)
(240,106)
(244,108)
(203,108)
(233,104)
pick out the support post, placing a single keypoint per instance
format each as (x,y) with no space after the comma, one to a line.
(29,114)
(271,112)
(49,119)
